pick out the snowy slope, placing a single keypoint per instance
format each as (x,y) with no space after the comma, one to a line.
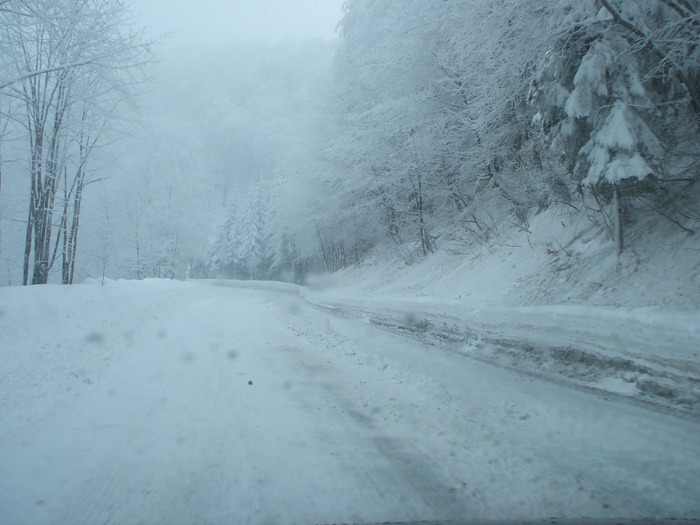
(550,300)
(558,258)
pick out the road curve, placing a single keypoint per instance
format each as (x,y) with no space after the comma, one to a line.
(228,405)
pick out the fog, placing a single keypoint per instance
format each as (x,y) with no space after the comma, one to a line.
(220,21)
(248,139)
(437,257)
(232,95)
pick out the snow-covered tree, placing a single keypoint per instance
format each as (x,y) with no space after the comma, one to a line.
(431,112)
(613,92)
(244,245)
(222,251)
(477,112)
(67,65)
(387,172)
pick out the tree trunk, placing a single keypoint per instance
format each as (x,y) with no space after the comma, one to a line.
(1,135)
(426,242)
(393,224)
(72,234)
(28,244)
(138,258)
(46,183)
(37,147)
(64,231)
(618,211)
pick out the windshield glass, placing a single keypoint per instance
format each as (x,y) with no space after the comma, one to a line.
(360,261)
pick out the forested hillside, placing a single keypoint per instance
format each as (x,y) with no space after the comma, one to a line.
(452,120)
(430,126)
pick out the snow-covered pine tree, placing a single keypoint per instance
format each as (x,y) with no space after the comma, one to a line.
(222,252)
(243,247)
(262,233)
(603,95)
(287,264)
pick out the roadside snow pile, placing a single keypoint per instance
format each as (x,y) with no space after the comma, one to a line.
(87,323)
(643,355)
(550,300)
(649,356)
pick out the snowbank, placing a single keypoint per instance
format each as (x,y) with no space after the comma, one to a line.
(550,300)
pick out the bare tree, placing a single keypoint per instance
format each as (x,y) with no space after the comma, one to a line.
(72,63)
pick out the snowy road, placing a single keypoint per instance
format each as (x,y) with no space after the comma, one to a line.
(133,403)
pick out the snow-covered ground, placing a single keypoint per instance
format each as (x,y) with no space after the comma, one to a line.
(211,402)
(557,258)
(551,300)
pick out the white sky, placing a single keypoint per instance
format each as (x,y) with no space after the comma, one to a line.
(213,21)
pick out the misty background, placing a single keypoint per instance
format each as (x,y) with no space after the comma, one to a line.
(273,140)
(233,96)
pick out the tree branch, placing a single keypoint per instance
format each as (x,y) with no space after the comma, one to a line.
(684,10)
(647,42)
(60,67)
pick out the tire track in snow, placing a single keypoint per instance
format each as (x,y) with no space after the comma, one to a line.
(118,483)
(99,440)
(405,476)
(616,481)
(401,463)
(333,429)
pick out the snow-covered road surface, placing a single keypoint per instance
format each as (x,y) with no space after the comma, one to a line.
(178,403)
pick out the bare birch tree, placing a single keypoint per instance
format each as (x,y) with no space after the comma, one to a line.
(71,64)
